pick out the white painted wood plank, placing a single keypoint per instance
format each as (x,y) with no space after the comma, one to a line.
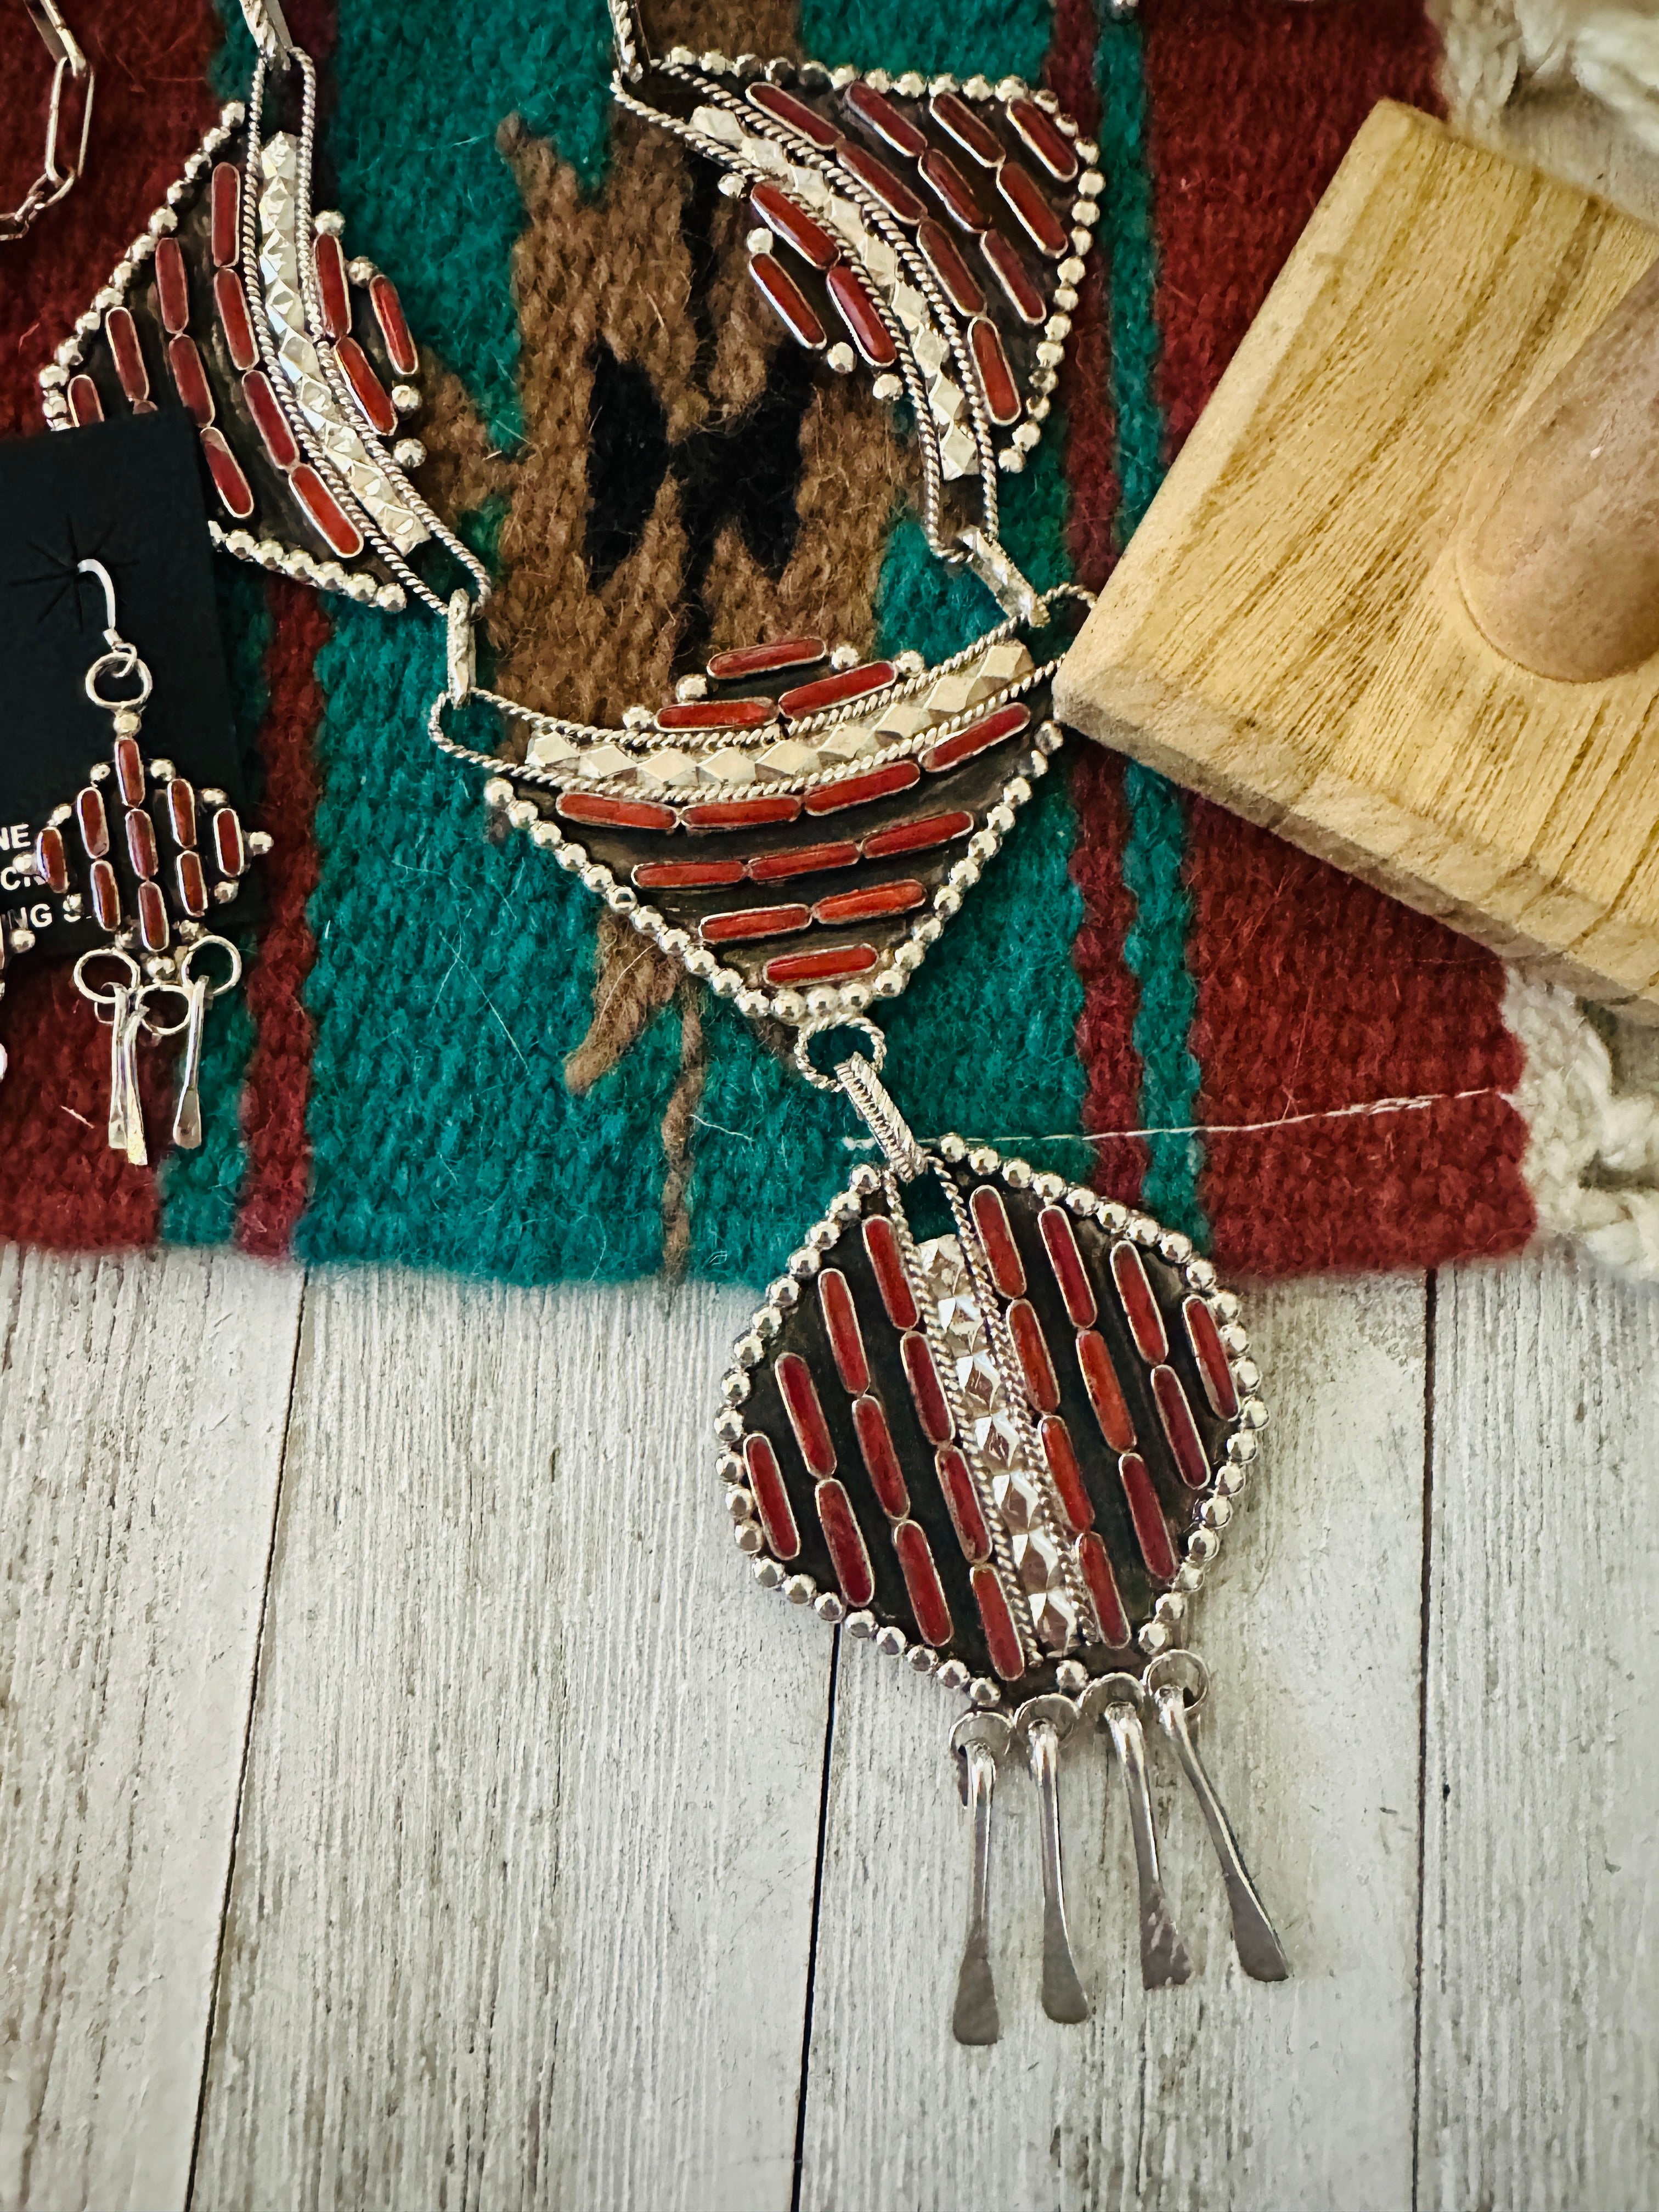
(523,1892)
(144,1402)
(1226,2094)
(1541,2034)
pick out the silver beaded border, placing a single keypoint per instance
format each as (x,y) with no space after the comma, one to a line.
(1214,1508)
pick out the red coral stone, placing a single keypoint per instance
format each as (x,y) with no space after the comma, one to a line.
(92,821)
(961,286)
(401,349)
(172,285)
(106,895)
(153,918)
(1041,1384)
(1152,1531)
(749,923)
(372,395)
(794,226)
(1001,1636)
(996,378)
(783,107)
(1097,1567)
(715,714)
(337,526)
(1214,1371)
(840,1322)
(1065,1471)
(1179,1426)
(792,308)
(1105,1391)
(129,770)
(181,810)
(834,690)
(1045,138)
(329,257)
(603,813)
(927,1592)
(122,334)
(235,493)
(190,379)
(1036,217)
(991,1220)
(862,316)
(51,861)
(744,660)
(1060,1241)
(854,790)
(229,846)
(269,420)
(84,404)
(141,842)
(741,813)
(687,875)
(887,1261)
(952,113)
(234,321)
(967,1515)
(925,1389)
(801,860)
(916,836)
(847,1554)
(881,1459)
(226,193)
(1146,1322)
(866,905)
(978,738)
(953,192)
(822,967)
(878,114)
(896,197)
(1010,271)
(799,1394)
(192,884)
(771,1496)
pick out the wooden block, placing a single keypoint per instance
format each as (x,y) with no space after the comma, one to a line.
(1286,633)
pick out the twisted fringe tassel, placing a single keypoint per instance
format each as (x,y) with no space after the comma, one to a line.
(1592,1159)
(1496,47)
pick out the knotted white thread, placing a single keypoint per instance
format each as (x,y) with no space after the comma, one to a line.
(1495,48)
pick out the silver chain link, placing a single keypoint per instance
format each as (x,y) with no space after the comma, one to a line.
(56,175)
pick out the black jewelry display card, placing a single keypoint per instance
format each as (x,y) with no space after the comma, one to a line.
(127,493)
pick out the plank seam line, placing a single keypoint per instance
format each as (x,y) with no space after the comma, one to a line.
(1431,1307)
(813,1932)
(248,1747)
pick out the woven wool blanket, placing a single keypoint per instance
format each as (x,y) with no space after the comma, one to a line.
(445,1054)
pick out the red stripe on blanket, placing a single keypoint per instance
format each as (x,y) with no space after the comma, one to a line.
(1111,997)
(279,1068)
(1086,378)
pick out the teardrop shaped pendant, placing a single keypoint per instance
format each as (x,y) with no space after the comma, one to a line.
(996,1424)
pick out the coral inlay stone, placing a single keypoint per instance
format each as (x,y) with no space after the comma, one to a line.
(953,114)
(900,202)
(1036,217)
(1091,1557)
(856,790)
(997,379)
(141,842)
(928,1600)
(862,317)
(190,379)
(961,286)
(594,807)
(106,895)
(834,690)
(822,967)
(791,305)
(1064,1471)
(783,107)
(1042,1383)
(181,810)
(1152,1531)
(741,813)
(847,1554)
(1044,138)
(925,1389)
(340,532)
(745,926)
(881,1459)
(234,321)
(1179,1426)
(687,875)
(153,918)
(794,226)
(1060,1242)
(329,257)
(394,330)
(887,1263)
(901,898)
(953,192)
(766,1482)
(372,395)
(1105,1391)
(967,1515)
(51,861)
(715,714)
(229,847)
(917,837)
(269,420)
(875,110)
(226,193)
(801,860)
(746,661)
(1001,1636)
(92,821)
(129,770)
(991,1220)
(171,286)
(799,1394)
(192,884)
(1214,1368)
(979,737)
(1146,1322)
(841,1322)
(84,404)
(122,332)
(1011,273)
